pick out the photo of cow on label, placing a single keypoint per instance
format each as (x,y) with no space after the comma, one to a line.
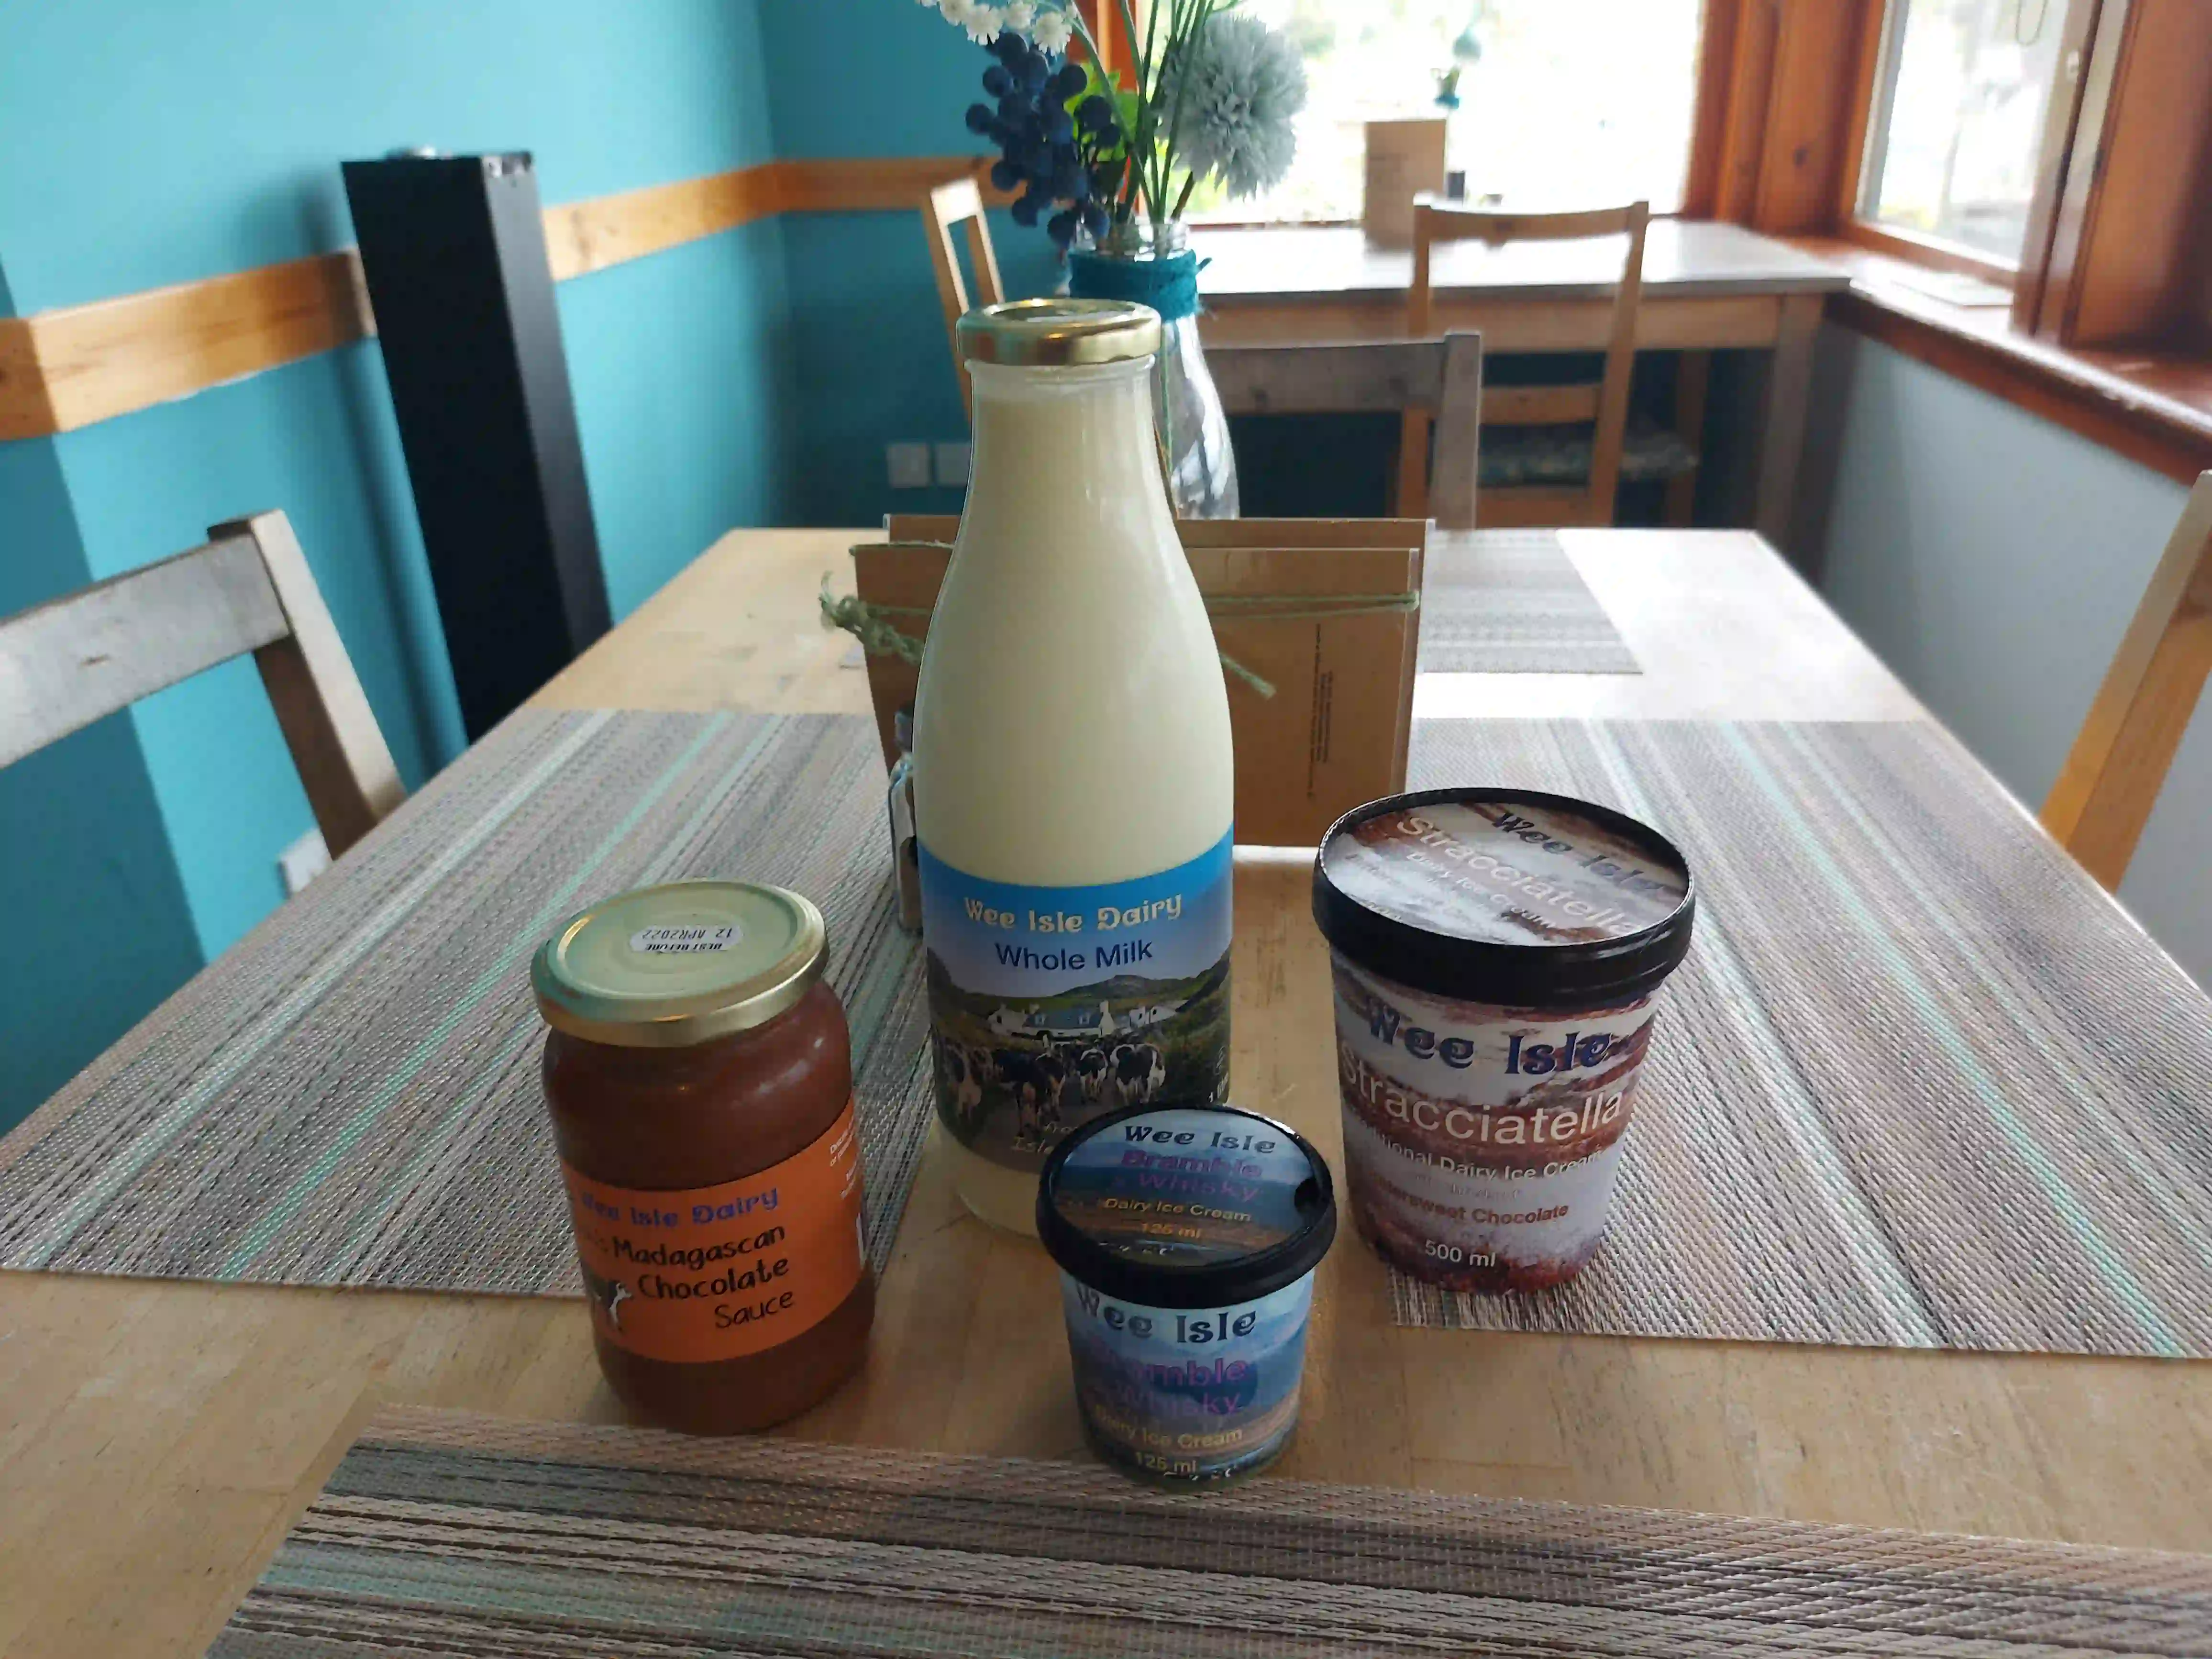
(1050,1006)
(1048,1067)
(609,1295)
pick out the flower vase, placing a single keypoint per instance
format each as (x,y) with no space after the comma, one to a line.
(1154,265)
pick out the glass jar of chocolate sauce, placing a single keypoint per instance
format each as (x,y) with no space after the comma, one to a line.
(699,1077)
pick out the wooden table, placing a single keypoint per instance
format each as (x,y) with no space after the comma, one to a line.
(1706,286)
(156,1438)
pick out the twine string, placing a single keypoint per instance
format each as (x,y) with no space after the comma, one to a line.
(871,624)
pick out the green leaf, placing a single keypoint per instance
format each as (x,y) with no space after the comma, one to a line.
(1098,84)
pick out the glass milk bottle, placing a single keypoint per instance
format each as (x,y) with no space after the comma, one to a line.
(1071,771)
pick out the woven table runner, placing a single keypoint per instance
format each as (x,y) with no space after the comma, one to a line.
(446,1534)
(1920,1083)
(1511,602)
(349,1095)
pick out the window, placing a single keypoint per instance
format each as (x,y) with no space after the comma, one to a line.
(1562,102)
(1955,133)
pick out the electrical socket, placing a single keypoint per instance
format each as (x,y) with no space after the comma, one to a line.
(302,861)
(908,466)
(952,462)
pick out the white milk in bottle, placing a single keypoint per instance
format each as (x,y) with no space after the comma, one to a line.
(1071,773)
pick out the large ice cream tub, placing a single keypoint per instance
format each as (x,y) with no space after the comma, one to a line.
(1498,958)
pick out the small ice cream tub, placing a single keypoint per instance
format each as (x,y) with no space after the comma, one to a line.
(1187,1239)
(1497,957)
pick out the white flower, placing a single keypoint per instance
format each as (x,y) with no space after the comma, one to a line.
(1020,16)
(983,22)
(1051,32)
(1240,83)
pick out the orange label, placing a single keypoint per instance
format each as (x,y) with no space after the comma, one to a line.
(703,1273)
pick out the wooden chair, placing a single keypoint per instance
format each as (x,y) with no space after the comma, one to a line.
(1439,380)
(72,660)
(950,205)
(2111,780)
(1576,439)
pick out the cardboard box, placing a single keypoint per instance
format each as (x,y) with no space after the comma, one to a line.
(1404,158)
(1335,733)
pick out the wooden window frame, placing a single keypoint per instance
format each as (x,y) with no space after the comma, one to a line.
(2108,330)
(1111,32)
(2116,254)
(1942,252)
(2117,248)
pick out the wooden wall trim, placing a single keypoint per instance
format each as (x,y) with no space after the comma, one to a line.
(67,368)
(582,237)
(72,366)
(91,362)
(882,184)
(25,409)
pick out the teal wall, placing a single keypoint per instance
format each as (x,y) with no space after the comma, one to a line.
(1993,559)
(149,142)
(87,859)
(874,364)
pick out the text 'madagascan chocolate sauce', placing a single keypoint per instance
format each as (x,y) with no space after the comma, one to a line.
(1497,957)
(699,1076)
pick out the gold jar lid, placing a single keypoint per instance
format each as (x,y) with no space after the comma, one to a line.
(669,966)
(1060,333)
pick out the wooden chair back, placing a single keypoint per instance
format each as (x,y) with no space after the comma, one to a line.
(949,207)
(1603,404)
(2105,792)
(1440,380)
(75,659)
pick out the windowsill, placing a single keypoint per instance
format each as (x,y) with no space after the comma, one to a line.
(1938,254)
(2155,408)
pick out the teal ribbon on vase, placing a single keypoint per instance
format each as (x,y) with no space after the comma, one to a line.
(1169,284)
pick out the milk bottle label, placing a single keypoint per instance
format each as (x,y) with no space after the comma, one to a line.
(1050,1005)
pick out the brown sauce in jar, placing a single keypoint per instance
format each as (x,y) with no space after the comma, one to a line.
(699,1078)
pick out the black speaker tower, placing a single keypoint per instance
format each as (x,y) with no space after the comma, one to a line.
(455,250)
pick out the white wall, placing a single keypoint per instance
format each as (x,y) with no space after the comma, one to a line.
(1992,560)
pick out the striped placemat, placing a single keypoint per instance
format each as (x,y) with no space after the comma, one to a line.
(1920,1083)
(349,1095)
(1511,602)
(441,1533)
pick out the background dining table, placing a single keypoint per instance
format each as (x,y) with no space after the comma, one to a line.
(157,1437)
(1707,287)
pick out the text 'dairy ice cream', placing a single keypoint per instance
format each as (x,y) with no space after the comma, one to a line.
(1496,958)
(1187,1239)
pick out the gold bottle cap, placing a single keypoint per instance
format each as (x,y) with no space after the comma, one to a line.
(1060,333)
(669,966)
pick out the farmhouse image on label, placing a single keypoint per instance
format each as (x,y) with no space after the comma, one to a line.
(1100,1021)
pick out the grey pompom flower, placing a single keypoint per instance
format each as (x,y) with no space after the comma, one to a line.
(1240,83)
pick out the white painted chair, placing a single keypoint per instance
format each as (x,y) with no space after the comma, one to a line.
(72,660)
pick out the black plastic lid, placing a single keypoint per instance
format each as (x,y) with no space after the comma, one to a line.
(1510,897)
(1185,1207)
